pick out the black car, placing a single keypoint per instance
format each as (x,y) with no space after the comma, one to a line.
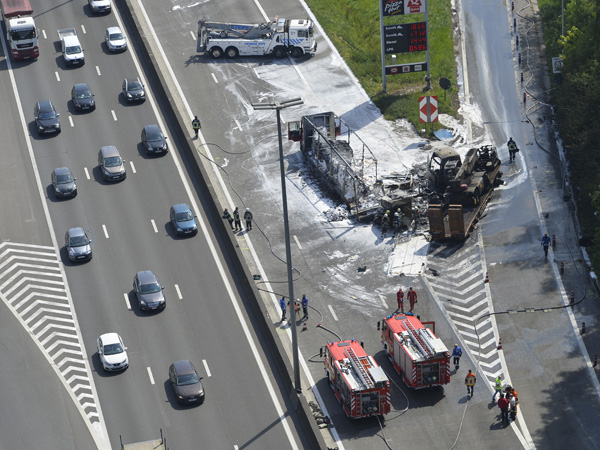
(82,97)
(149,291)
(186,382)
(154,141)
(133,90)
(63,182)
(46,117)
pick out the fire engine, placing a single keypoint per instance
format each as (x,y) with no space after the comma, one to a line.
(418,355)
(359,384)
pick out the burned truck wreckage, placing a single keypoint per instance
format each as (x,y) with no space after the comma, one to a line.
(447,197)
(348,170)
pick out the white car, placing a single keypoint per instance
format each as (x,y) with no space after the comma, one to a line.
(112,352)
(116,41)
(99,6)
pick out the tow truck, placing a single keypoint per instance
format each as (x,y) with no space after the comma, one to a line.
(279,37)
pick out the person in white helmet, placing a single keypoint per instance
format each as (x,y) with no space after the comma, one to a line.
(248,219)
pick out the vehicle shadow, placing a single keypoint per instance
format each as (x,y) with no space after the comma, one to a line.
(37,136)
(263,60)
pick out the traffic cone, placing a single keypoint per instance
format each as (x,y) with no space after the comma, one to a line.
(499,343)
(305,327)
(487,278)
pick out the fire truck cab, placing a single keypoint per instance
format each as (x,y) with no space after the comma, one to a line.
(417,354)
(360,385)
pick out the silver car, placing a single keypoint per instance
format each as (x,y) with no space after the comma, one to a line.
(111,164)
(78,245)
(115,39)
(99,6)
(149,291)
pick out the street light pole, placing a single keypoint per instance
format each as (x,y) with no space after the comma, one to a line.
(278,106)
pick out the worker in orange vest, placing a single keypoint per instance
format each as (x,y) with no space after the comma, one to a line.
(470,381)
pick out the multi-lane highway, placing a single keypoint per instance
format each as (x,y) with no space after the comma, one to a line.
(205,319)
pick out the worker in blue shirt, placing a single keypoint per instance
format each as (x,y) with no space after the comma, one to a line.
(456,354)
(305,306)
(545,243)
(283,308)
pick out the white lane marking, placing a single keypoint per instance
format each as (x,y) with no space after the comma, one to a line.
(83,29)
(98,430)
(383,301)
(87,174)
(105,231)
(112,111)
(214,78)
(154,225)
(57,76)
(44,34)
(98,71)
(132,166)
(150,375)
(297,242)
(332,313)
(213,250)
(71,121)
(206,368)
(238,124)
(127,301)
(178,292)
(193,35)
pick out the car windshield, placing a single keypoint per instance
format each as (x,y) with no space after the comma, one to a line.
(155,137)
(83,94)
(113,349)
(47,115)
(112,161)
(151,288)
(64,179)
(135,86)
(183,216)
(188,378)
(78,241)
(115,37)
(73,50)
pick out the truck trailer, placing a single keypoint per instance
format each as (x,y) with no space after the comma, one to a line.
(21,33)
(279,37)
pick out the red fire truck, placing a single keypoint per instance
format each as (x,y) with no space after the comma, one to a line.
(418,355)
(358,382)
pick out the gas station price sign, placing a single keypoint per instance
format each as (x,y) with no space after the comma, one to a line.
(405,37)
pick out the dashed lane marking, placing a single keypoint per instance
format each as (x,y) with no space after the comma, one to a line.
(214,78)
(83,29)
(332,313)
(193,35)
(71,121)
(98,71)
(154,225)
(206,368)
(178,292)
(87,174)
(57,76)
(105,231)
(112,111)
(132,166)
(150,375)
(297,242)
(126,296)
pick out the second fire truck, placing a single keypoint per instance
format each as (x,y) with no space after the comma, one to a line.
(418,355)
(359,384)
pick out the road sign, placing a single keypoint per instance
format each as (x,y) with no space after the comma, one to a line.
(406,68)
(445,83)
(557,65)
(405,37)
(428,109)
(399,7)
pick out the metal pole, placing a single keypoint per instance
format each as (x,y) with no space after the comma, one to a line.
(428,77)
(278,106)
(383,76)
(562,10)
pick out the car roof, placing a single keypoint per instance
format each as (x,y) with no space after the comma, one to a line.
(62,171)
(146,276)
(132,80)
(45,105)
(110,338)
(77,231)
(81,87)
(109,150)
(181,207)
(152,128)
(113,30)
(184,367)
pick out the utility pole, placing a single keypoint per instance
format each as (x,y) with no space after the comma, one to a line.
(278,106)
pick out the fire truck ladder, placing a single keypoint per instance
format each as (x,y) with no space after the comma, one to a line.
(360,369)
(420,340)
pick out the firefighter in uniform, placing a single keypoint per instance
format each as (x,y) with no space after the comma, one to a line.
(470,381)
(385,223)
(396,224)
(248,219)
(196,125)
(237,220)
(512,149)
(456,354)
(227,215)
(545,243)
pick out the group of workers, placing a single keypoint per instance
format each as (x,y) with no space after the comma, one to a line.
(395,221)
